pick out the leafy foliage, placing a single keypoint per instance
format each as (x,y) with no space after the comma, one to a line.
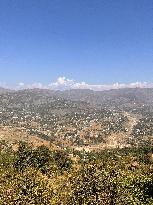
(49,177)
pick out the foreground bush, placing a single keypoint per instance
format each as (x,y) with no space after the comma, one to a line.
(42,176)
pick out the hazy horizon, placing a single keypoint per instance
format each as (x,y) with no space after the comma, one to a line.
(63,83)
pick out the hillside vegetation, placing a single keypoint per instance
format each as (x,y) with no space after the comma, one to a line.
(76,147)
(68,177)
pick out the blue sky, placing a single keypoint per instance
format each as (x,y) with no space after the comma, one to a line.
(95,41)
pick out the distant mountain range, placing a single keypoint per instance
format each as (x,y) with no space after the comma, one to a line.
(114,97)
(5,90)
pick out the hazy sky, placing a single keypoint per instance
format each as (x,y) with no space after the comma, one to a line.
(96,41)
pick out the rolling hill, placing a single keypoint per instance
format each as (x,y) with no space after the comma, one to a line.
(78,118)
